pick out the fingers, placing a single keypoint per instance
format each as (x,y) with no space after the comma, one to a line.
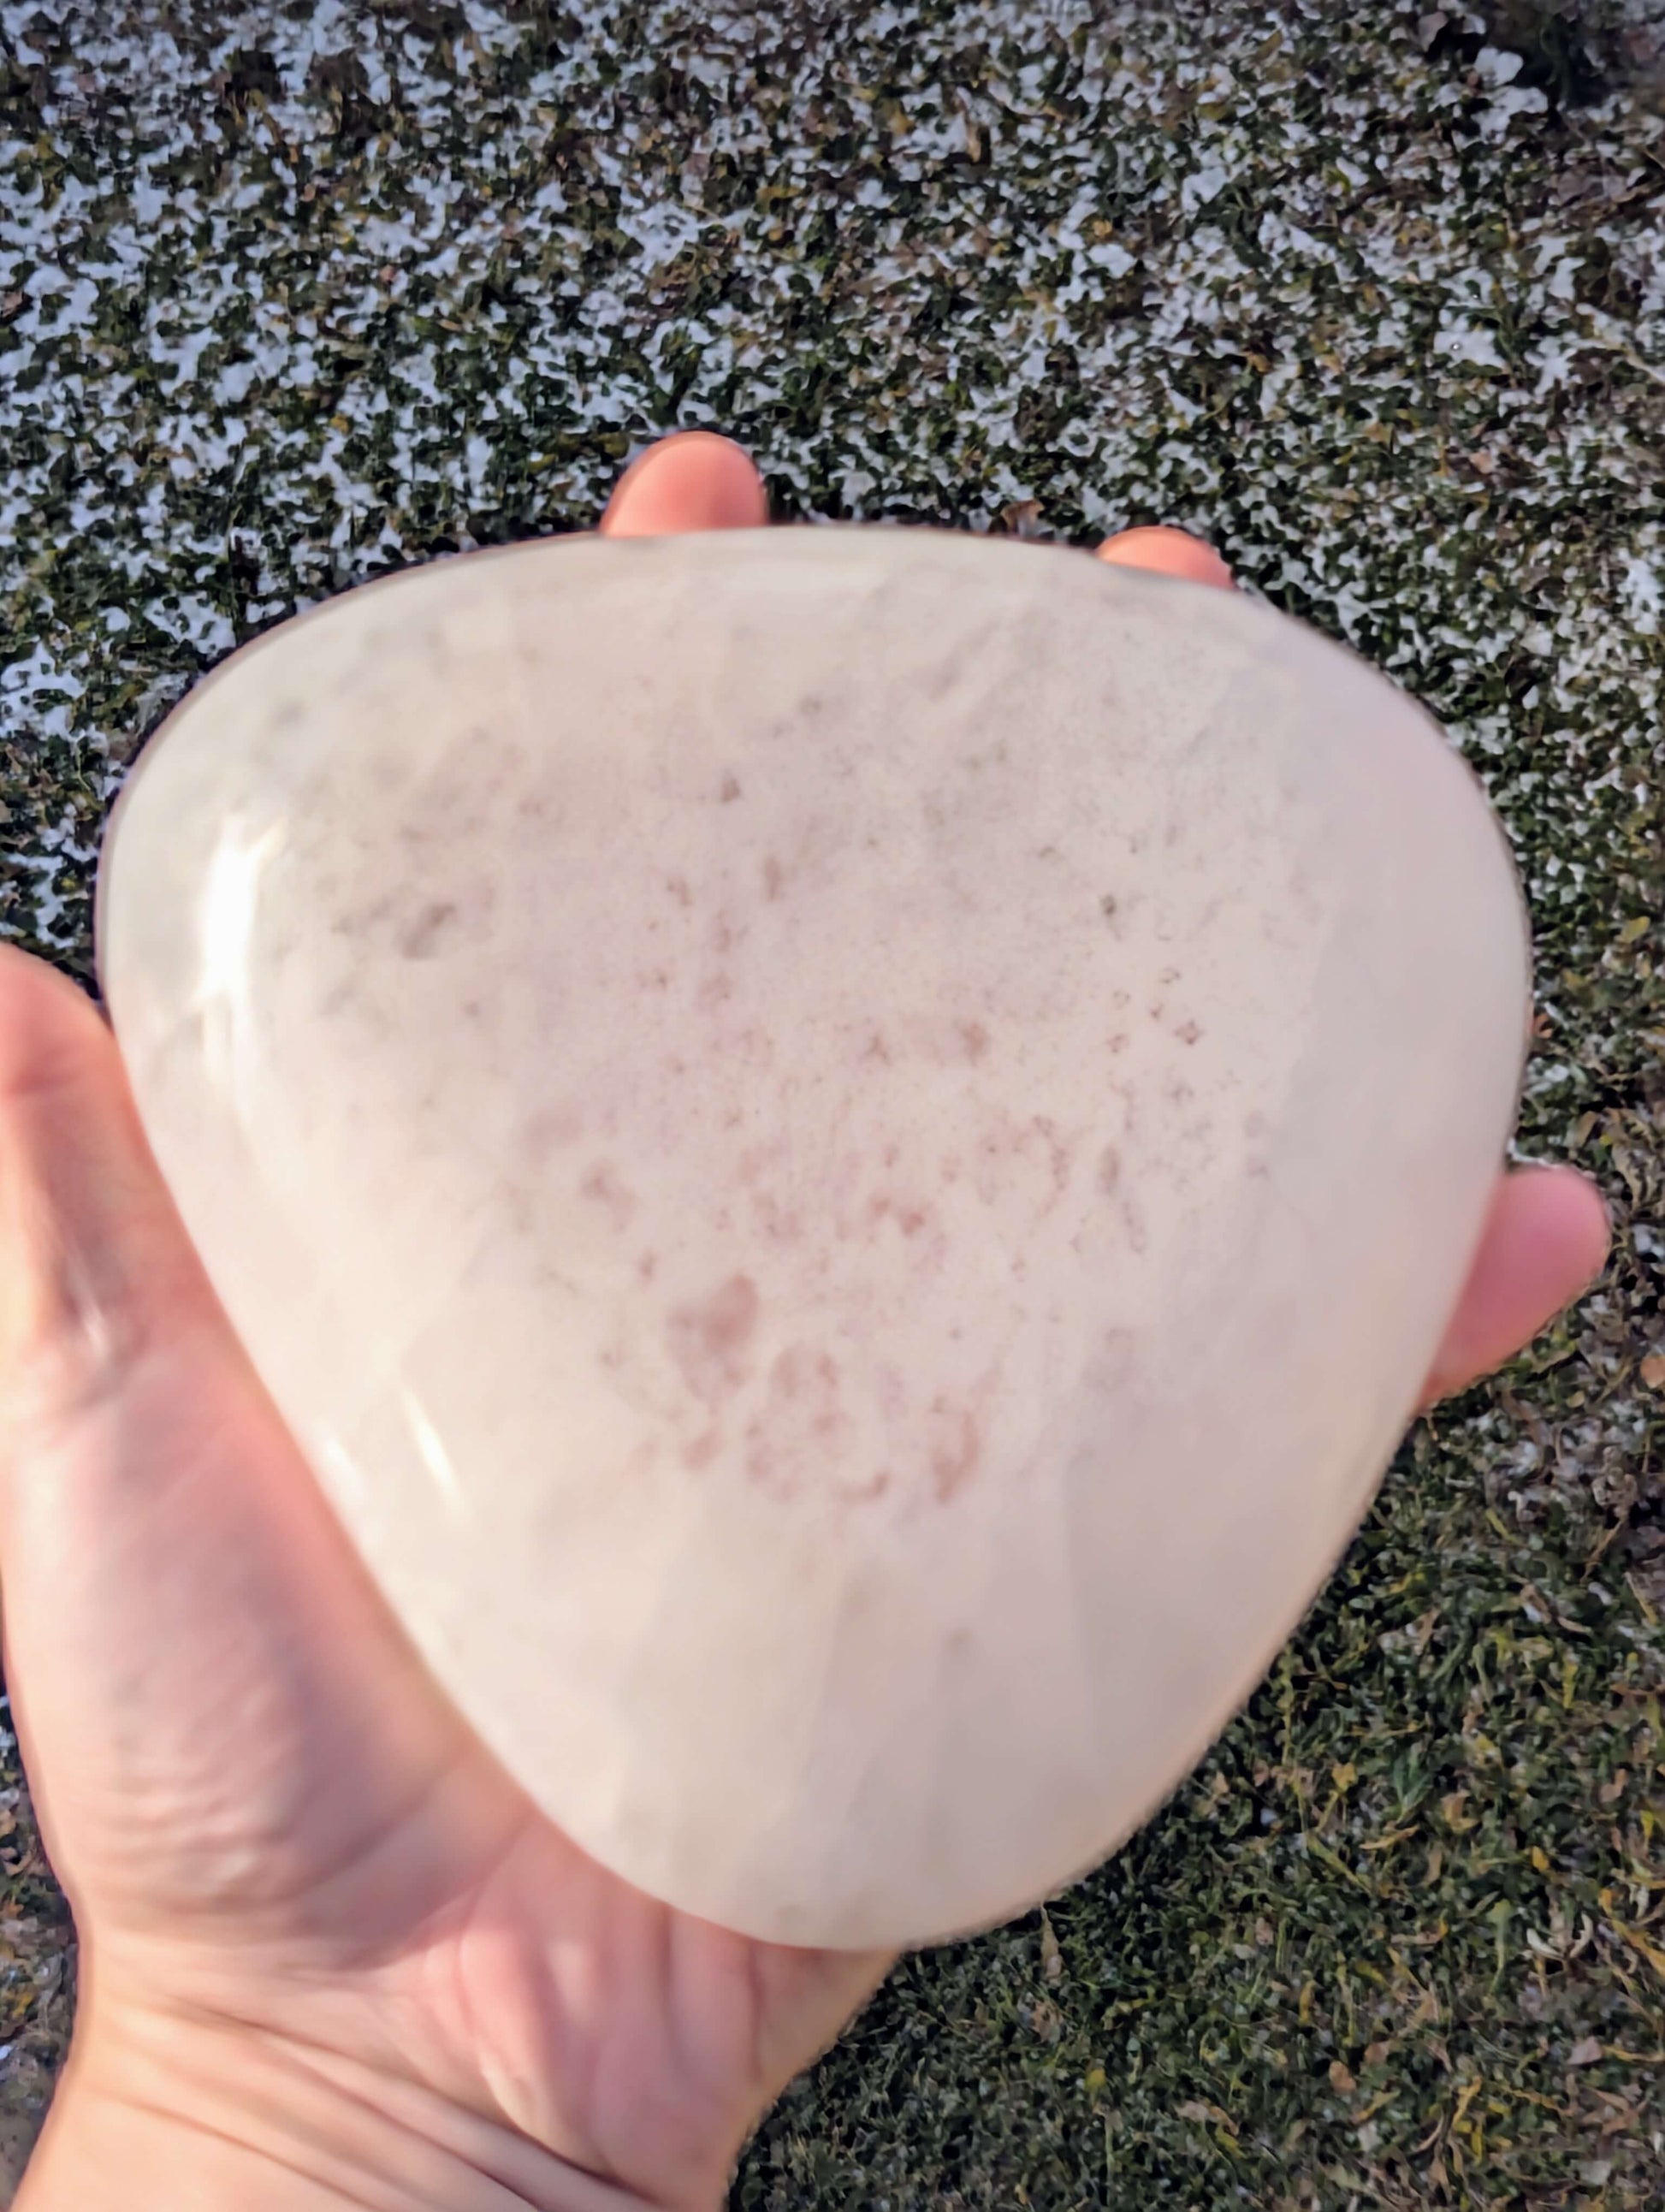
(96,1261)
(1546,1241)
(691,482)
(1167,553)
(167,1574)
(695,480)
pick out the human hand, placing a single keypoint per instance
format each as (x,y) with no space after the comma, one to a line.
(331,1955)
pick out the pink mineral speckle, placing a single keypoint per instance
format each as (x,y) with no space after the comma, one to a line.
(604,1187)
(957,1445)
(909,1218)
(782,1224)
(551,1130)
(803,1429)
(1061,1155)
(710,1339)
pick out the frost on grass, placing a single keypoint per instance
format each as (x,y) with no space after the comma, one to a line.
(289,296)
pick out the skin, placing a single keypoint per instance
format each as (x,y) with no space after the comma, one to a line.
(331,1955)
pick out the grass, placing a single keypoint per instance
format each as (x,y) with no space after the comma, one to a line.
(291,295)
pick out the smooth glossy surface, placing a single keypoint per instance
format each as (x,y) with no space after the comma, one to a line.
(845,1150)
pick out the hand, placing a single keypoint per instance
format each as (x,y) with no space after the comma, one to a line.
(330,1953)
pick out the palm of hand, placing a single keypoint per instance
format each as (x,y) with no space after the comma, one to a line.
(264,1811)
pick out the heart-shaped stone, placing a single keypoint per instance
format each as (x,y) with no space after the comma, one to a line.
(846,1149)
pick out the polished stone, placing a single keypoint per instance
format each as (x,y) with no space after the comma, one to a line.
(846,1149)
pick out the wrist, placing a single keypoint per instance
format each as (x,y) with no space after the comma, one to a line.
(157,2113)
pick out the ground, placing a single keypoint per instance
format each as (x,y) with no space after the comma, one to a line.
(1375,297)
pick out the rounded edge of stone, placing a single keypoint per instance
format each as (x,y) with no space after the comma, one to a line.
(234,664)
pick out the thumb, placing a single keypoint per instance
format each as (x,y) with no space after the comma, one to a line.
(96,1267)
(211,1698)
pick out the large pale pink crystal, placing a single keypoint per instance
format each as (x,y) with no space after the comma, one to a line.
(846,1149)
